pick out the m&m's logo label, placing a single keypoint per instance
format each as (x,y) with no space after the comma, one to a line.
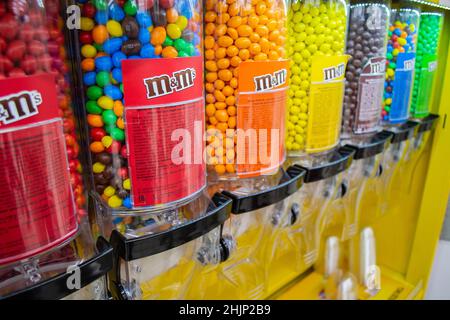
(408,64)
(334,72)
(164,84)
(270,81)
(16,107)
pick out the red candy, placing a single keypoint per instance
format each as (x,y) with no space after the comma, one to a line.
(97,134)
(166,4)
(36,48)
(86,37)
(29,64)
(8,27)
(26,33)
(88,10)
(16,49)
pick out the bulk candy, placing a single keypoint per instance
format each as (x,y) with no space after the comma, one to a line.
(112,32)
(32,50)
(366,44)
(426,62)
(400,56)
(235,32)
(316,29)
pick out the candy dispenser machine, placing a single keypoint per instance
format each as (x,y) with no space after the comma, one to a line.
(426,62)
(160,263)
(246,82)
(365,167)
(316,47)
(75,271)
(365,75)
(401,54)
(37,133)
(142,74)
(324,185)
(253,222)
(381,190)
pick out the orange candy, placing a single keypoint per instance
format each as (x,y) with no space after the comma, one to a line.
(169,52)
(95,120)
(158,36)
(88,64)
(96,147)
(100,34)
(171,15)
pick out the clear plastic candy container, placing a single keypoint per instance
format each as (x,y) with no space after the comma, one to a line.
(401,55)
(316,47)
(142,75)
(39,157)
(75,271)
(426,62)
(246,82)
(367,40)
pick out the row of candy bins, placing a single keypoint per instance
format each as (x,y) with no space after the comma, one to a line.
(426,62)
(296,241)
(256,215)
(246,80)
(316,46)
(142,77)
(157,259)
(365,74)
(401,54)
(40,166)
(77,270)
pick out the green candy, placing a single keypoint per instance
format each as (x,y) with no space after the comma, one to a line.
(101,4)
(94,92)
(183,54)
(93,108)
(102,78)
(190,49)
(97,46)
(180,44)
(117,134)
(167,42)
(130,7)
(109,128)
(109,117)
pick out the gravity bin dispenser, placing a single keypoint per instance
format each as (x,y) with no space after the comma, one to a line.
(259,208)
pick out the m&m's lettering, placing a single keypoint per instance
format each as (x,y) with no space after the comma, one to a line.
(163,84)
(333,72)
(270,81)
(19,106)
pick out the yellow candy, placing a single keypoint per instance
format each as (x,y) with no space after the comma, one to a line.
(98,167)
(105,102)
(88,51)
(114,28)
(107,141)
(86,24)
(114,202)
(109,191)
(182,22)
(127,184)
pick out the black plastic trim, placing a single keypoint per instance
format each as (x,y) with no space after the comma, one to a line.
(290,183)
(331,168)
(148,245)
(375,146)
(56,288)
(404,132)
(426,124)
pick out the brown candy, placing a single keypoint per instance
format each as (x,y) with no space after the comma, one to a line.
(130,27)
(131,47)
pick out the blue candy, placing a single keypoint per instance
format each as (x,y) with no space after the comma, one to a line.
(101,17)
(103,63)
(144,20)
(398,32)
(117,74)
(144,36)
(127,202)
(124,38)
(117,58)
(117,220)
(134,57)
(148,51)
(113,92)
(89,78)
(390,48)
(116,12)
(112,45)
